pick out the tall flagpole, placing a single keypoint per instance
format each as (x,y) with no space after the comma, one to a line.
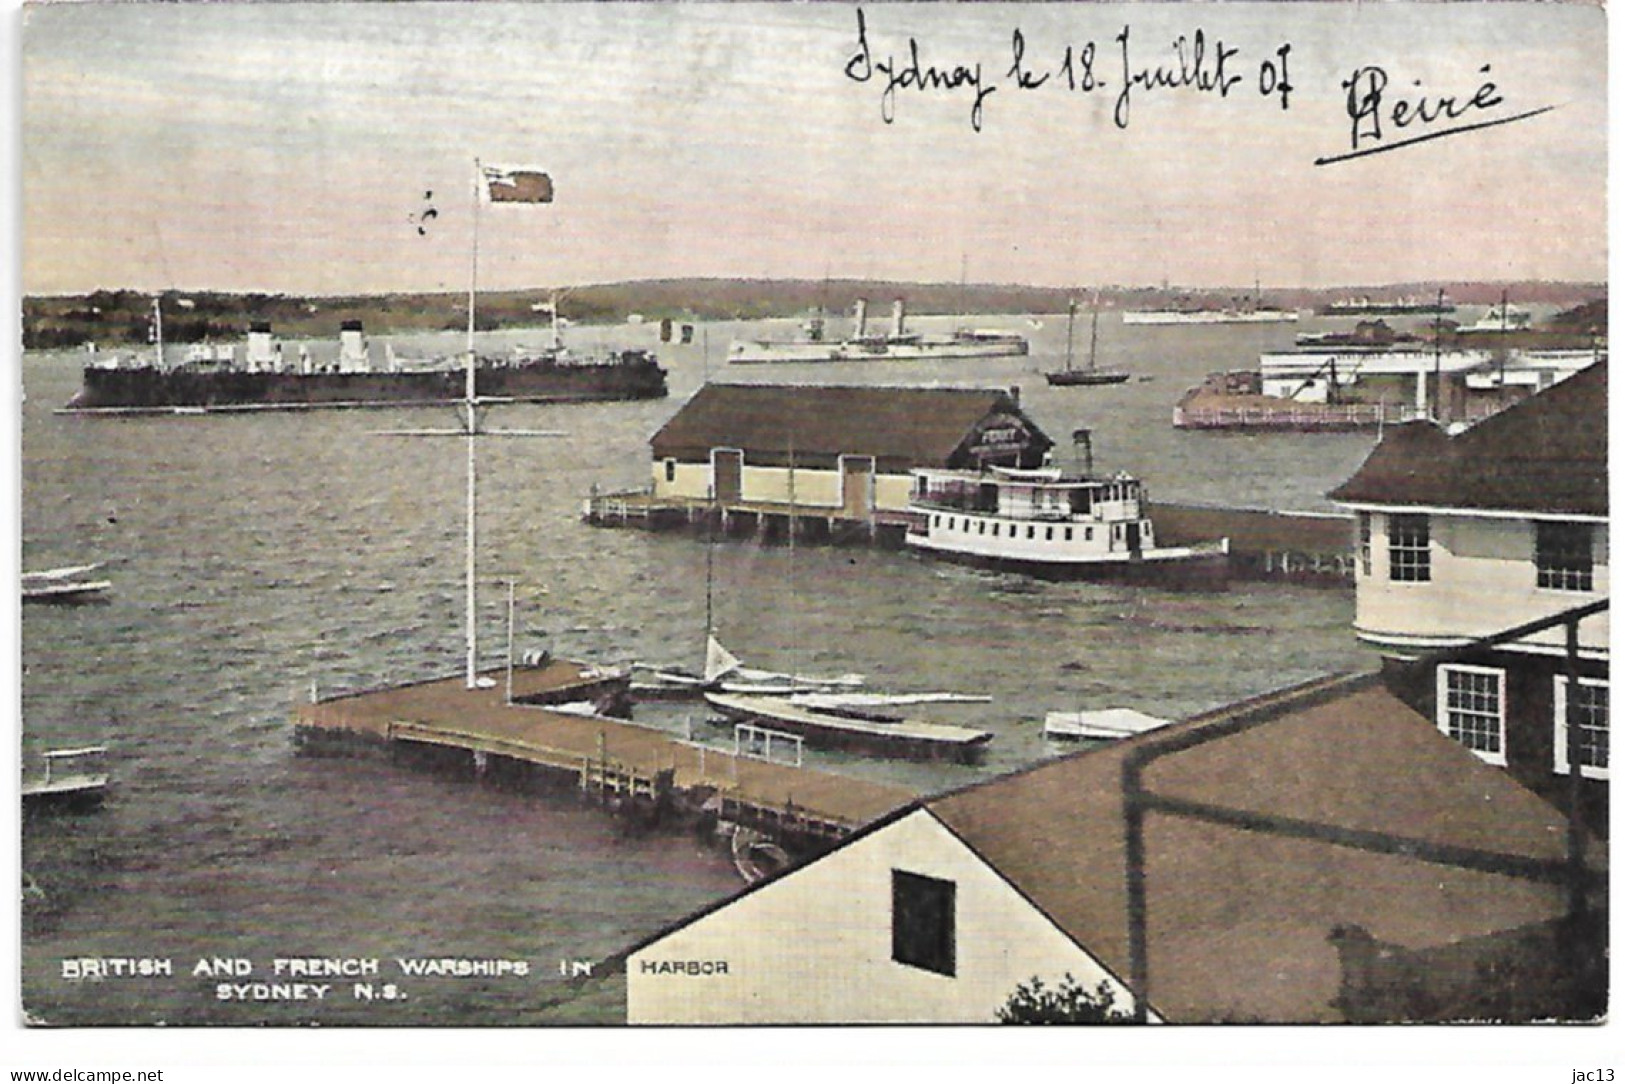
(473,281)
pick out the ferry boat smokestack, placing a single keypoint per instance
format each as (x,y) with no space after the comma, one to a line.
(1084,447)
(897,317)
(860,318)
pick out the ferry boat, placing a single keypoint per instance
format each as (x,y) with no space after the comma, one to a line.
(220,377)
(1053,525)
(898,344)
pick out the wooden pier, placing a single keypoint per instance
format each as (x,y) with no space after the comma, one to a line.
(1311,548)
(613,762)
(766,521)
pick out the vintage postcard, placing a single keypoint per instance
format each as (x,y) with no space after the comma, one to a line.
(573,516)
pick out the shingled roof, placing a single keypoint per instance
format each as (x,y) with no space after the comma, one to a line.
(1547,454)
(902,427)
(1242,922)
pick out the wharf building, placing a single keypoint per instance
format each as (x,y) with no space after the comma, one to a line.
(836,460)
(1319,854)
(1482,576)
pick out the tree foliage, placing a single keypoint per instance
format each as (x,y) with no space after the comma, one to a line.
(1069,1003)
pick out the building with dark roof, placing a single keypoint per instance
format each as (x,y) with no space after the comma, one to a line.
(845,449)
(1464,537)
(1317,855)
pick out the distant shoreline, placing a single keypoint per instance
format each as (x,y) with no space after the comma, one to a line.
(121,317)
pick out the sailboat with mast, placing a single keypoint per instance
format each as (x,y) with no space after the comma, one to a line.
(1090,374)
(724,671)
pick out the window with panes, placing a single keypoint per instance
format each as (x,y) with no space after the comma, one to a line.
(1409,557)
(1563,556)
(1472,709)
(1590,726)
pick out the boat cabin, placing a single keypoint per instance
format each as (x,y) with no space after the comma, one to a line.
(1009,508)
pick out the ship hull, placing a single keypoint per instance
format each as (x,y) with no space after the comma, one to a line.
(1083,378)
(1189,568)
(633,375)
(763,353)
(1259,316)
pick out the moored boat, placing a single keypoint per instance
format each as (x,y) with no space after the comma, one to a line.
(70,779)
(260,377)
(1403,306)
(1053,525)
(891,736)
(898,344)
(64,585)
(1107,724)
(1090,375)
(1210,316)
(1502,318)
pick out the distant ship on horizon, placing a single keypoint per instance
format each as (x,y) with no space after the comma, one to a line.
(1249,311)
(223,377)
(898,344)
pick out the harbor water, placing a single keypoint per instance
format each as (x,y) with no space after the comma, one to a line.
(257,557)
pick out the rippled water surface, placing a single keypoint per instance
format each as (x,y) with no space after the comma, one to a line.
(255,556)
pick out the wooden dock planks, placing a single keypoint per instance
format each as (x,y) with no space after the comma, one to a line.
(445,713)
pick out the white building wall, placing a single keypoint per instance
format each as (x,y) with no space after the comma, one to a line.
(814,488)
(1483,581)
(815,945)
(771,485)
(892,491)
(691,481)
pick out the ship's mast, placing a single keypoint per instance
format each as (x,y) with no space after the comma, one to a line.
(1094,330)
(1071,319)
(470,423)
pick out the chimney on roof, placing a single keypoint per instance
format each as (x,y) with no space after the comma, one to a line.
(1015,394)
(897,317)
(860,317)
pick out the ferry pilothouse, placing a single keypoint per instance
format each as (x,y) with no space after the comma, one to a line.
(1053,525)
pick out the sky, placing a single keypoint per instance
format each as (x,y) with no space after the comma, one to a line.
(297,148)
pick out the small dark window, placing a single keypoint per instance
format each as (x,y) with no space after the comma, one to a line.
(922,922)
(1409,559)
(671,470)
(1563,556)
(1365,543)
(1069,534)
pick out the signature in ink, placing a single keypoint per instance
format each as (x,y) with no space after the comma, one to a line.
(1414,115)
